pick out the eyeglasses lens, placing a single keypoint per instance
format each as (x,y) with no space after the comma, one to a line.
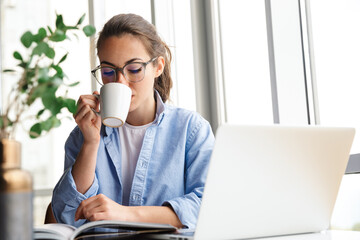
(107,75)
(134,72)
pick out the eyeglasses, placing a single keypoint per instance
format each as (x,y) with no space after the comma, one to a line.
(133,72)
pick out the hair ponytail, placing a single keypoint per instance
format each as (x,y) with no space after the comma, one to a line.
(163,83)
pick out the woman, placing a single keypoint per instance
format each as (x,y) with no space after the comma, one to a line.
(153,168)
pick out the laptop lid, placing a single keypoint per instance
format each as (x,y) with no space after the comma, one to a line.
(272,180)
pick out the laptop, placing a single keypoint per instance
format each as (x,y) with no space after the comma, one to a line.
(271,181)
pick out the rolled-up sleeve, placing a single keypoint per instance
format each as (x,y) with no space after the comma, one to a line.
(199,147)
(66,198)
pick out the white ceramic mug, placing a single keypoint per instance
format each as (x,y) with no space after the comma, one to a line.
(115,101)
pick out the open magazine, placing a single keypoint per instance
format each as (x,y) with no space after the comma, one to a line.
(99,230)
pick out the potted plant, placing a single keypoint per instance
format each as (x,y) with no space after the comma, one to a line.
(40,78)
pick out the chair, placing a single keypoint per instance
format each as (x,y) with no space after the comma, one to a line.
(49,216)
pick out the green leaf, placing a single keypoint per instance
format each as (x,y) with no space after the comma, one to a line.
(60,22)
(35,130)
(8,70)
(70,104)
(41,48)
(40,36)
(30,74)
(38,91)
(46,125)
(71,27)
(58,36)
(50,101)
(40,113)
(17,56)
(63,58)
(54,122)
(73,84)
(89,30)
(23,64)
(50,53)
(50,31)
(26,39)
(29,80)
(81,19)
(58,70)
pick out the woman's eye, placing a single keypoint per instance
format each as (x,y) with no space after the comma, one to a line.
(133,68)
(108,72)
(135,71)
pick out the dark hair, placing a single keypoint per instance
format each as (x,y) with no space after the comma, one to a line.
(135,25)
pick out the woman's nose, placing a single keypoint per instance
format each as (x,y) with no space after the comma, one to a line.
(120,78)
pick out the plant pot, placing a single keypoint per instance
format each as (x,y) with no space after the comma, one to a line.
(16,220)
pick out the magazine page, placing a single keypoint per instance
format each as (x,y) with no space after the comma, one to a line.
(98,229)
(57,231)
(118,229)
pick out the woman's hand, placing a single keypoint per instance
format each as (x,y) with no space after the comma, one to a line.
(88,121)
(83,170)
(100,207)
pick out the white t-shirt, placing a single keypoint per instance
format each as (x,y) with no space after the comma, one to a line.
(131,139)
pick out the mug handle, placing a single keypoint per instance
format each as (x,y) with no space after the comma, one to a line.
(98,97)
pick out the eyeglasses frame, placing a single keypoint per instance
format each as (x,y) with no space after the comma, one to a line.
(121,69)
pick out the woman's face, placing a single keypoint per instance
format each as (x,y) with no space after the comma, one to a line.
(116,52)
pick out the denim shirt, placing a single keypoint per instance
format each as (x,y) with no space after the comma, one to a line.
(171,168)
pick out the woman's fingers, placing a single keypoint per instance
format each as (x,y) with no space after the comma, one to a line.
(93,208)
(87,100)
(84,206)
(86,116)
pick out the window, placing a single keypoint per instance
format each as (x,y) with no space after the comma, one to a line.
(173,23)
(336,38)
(245,55)
(262,56)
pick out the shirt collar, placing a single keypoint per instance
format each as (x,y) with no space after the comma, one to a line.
(160,108)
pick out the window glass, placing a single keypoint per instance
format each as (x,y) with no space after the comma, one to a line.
(245,62)
(337,60)
(336,37)
(104,10)
(173,23)
(114,7)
